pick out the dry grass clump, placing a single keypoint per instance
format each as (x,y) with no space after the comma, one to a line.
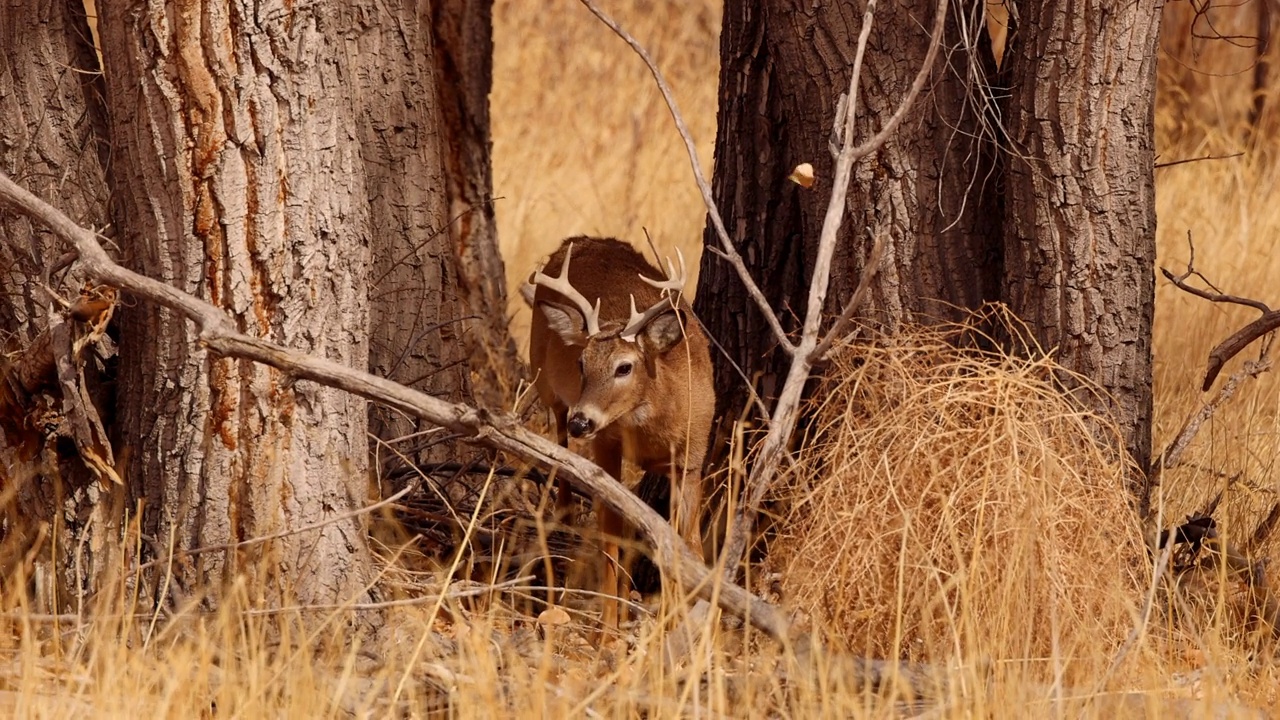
(954,505)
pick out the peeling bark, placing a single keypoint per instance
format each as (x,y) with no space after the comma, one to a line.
(237,177)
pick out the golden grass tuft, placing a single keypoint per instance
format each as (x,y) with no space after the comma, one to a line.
(955,504)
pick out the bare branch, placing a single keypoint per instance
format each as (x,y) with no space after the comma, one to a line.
(783,421)
(499,431)
(1218,297)
(1230,347)
(1173,451)
(1184,161)
(727,249)
(917,86)
(859,296)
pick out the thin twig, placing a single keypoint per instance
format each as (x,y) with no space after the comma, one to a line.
(1217,297)
(859,296)
(1173,451)
(1184,161)
(727,250)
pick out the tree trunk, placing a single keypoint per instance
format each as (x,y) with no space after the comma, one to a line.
(1064,234)
(237,177)
(1080,222)
(784,66)
(49,96)
(463,33)
(424,78)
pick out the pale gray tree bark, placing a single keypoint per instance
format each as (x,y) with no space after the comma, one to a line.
(237,177)
(299,168)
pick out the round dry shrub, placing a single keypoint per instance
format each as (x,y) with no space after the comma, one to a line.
(956,503)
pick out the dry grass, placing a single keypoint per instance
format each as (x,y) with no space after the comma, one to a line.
(964,511)
(968,520)
(582,141)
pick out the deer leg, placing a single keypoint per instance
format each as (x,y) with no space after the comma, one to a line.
(564,493)
(686,507)
(612,581)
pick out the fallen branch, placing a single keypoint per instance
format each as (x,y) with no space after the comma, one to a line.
(499,431)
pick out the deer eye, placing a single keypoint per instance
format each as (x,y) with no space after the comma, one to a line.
(623,370)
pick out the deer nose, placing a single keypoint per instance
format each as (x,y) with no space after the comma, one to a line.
(580,426)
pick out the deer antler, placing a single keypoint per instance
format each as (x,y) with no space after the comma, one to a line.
(590,315)
(670,288)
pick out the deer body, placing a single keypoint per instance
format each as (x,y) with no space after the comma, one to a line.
(637,386)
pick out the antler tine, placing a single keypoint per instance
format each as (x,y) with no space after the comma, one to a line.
(671,288)
(590,315)
(639,319)
(674,281)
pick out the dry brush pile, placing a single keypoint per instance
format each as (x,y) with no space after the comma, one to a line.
(953,503)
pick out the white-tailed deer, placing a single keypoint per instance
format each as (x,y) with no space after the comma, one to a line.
(638,388)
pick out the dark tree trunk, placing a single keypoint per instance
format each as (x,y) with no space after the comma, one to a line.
(1062,229)
(1080,220)
(784,66)
(49,105)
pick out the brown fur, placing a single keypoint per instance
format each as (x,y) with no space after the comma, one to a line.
(659,415)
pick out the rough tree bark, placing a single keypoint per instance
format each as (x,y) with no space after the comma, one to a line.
(1080,218)
(48,98)
(237,177)
(297,167)
(784,66)
(424,77)
(463,32)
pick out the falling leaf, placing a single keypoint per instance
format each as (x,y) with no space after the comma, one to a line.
(802,175)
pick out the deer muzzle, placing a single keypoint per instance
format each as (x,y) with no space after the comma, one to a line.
(580,426)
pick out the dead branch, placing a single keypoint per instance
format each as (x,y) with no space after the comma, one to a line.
(1217,296)
(1232,346)
(499,431)
(1229,348)
(1184,161)
(859,296)
(1173,451)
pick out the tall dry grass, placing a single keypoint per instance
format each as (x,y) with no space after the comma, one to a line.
(973,523)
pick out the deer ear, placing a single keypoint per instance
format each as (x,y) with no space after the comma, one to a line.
(566,322)
(663,332)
